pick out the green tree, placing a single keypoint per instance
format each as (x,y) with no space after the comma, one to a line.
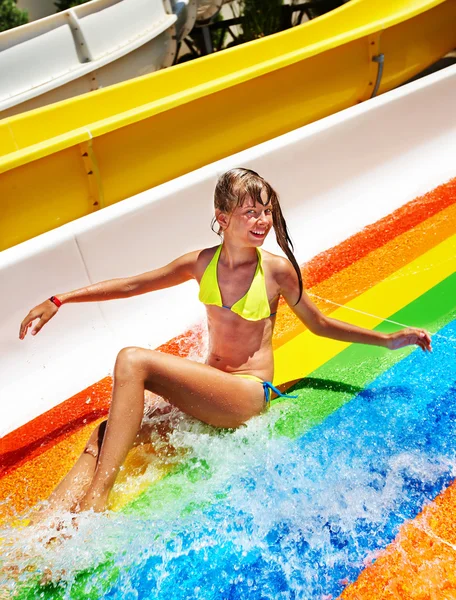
(64,4)
(260,18)
(11,16)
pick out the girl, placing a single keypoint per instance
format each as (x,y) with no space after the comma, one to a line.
(240,286)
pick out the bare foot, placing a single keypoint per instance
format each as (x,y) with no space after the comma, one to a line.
(51,577)
(92,501)
(48,519)
(46,511)
(21,562)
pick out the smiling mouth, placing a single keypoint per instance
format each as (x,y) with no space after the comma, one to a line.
(258,233)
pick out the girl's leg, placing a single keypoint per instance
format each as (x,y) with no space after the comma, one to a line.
(76,482)
(210,395)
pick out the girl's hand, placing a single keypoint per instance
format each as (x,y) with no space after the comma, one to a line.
(408,337)
(44,312)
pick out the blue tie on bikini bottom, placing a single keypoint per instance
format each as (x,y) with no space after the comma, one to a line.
(267,387)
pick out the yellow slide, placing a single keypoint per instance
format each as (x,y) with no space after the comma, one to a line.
(69,159)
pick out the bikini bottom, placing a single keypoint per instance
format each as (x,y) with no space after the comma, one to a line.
(267,387)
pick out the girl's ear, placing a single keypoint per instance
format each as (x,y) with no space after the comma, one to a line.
(222,219)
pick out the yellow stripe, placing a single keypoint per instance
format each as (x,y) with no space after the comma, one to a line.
(306,352)
(141,470)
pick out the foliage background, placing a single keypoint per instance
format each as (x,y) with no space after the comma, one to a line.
(64,4)
(11,16)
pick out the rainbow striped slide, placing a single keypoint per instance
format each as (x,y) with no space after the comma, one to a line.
(344,491)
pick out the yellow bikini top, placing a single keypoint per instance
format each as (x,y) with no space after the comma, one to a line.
(254,306)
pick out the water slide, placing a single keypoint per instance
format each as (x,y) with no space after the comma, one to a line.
(345,490)
(93,46)
(88,47)
(70,159)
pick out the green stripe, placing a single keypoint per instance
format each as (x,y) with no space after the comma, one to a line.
(105,574)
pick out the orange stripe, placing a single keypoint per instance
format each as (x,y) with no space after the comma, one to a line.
(421,562)
(22,488)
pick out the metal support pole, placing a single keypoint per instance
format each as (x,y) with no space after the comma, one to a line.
(207,40)
(380,60)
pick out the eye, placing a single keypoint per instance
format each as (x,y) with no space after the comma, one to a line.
(251,212)
(268,211)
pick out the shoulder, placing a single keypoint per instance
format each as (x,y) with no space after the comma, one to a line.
(187,264)
(201,260)
(281,270)
(190,265)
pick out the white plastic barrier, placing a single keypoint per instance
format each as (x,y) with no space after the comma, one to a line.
(26,276)
(38,60)
(115,26)
(334,177)
(51,59)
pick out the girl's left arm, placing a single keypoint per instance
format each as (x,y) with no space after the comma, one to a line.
(322,325)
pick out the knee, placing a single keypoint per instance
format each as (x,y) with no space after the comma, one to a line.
(129,362)
(93,446)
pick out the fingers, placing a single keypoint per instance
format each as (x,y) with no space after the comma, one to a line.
(412,336)
(424,340)
(26,323)
(42,312)
(39,325)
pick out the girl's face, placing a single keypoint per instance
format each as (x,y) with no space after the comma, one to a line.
(248,224)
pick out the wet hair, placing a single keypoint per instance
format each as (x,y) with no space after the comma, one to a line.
(232,189)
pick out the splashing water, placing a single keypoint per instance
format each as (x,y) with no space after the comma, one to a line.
(258,516)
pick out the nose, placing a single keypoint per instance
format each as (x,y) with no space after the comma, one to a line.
(263,217)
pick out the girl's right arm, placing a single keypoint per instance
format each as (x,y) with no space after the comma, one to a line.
(180,270)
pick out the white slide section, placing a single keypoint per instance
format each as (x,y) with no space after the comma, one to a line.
(89,47)
(333,176)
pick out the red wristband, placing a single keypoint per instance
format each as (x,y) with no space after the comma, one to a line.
(56,301)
